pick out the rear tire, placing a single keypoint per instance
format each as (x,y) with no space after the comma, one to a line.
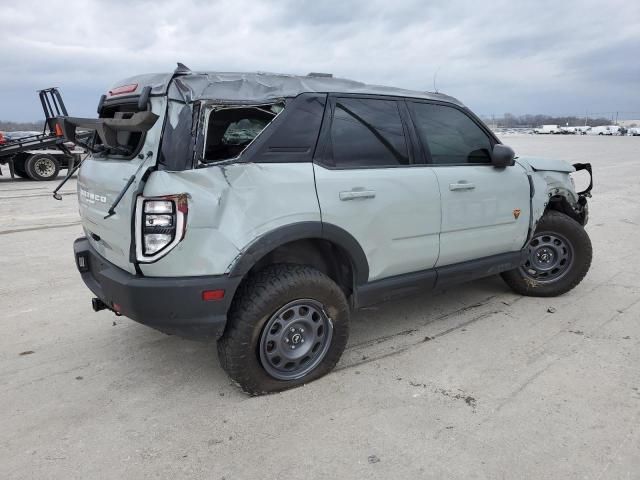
(42,167)
(263,348)
(560,255)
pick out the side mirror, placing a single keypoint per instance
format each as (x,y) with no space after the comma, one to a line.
(502,156)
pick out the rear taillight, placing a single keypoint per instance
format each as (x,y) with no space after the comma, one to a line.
(160,225)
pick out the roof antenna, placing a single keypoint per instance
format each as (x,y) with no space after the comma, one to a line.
(182,69)
(435,75)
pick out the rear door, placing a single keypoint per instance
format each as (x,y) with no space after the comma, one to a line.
(485,210)
(369,185)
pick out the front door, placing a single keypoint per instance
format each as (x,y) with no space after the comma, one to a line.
(485,210)
(368,184)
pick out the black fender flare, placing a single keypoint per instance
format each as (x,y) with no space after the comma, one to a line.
(303,231)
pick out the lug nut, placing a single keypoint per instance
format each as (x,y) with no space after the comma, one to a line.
(302,340)
(292,347)
(292,329)
(301,330)
(286,340)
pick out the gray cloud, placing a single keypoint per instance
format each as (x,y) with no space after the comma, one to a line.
(543,56)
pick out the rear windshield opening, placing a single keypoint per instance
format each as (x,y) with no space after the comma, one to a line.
(231,130)
(129,143)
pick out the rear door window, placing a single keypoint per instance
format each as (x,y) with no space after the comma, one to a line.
(451,136)
(367,133)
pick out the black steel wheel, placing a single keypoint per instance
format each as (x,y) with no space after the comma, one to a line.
(288,325)
(550,256)
(295,339)
(558,258)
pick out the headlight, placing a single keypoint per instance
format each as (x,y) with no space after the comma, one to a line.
(160,225)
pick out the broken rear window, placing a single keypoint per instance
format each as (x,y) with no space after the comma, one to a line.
(231,129)
(129,143)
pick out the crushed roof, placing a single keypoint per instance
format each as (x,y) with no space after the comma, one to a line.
(261,87)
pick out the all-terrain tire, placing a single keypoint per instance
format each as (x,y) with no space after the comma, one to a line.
(42,166)
(581,254)
(257,302)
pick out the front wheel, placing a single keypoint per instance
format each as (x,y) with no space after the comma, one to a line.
(288,325)
(558,257)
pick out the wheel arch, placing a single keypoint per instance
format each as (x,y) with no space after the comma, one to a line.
(560,203)
(323,245)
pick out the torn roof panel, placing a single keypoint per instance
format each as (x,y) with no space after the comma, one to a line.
(260,87)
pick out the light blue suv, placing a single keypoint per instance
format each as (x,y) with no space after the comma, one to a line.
(259,210)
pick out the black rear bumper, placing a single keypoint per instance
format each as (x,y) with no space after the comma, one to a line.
(173,305)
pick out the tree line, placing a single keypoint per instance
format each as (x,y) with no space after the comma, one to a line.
(20,126)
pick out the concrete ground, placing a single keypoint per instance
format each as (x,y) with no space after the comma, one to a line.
(473,382)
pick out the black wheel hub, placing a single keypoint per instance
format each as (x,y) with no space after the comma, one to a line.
(295,339)
(550,256)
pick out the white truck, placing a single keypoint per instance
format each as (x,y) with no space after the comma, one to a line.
(548,130)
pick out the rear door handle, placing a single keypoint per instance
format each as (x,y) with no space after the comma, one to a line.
(461,185)
(355,194)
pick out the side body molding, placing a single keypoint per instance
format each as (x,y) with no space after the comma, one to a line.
(302,231)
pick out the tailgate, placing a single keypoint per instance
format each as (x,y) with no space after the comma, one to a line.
(101,180)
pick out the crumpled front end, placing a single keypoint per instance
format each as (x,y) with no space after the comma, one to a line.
(552,187)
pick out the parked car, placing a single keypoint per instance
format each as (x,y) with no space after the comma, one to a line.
(261,209)
(610,130)
(548,129)
(579,130)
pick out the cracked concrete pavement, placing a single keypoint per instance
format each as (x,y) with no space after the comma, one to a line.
(471,382)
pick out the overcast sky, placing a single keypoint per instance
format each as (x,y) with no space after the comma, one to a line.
(556,57)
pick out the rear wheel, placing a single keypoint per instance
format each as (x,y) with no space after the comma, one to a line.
(42,167)
(558,257)
(288,325)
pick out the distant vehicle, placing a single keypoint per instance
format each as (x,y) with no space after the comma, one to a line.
(580,130)
(40,155)
(548,129)
(606,130)
(633,132)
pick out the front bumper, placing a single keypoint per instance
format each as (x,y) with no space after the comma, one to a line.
(173,305)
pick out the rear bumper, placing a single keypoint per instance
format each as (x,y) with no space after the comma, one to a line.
(173,305)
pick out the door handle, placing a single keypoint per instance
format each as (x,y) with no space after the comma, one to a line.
(355,194)
(461,185)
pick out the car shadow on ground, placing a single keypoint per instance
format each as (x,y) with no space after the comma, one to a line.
(195,365)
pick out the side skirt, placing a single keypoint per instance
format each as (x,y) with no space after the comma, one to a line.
(401,285)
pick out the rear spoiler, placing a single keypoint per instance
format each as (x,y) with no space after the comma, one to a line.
(107,128)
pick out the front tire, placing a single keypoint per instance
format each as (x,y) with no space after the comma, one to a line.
(559,257)
(288,326)
(42,167)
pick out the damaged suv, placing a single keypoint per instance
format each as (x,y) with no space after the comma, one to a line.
(259,210)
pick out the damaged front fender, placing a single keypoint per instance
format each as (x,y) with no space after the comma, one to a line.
(553,189)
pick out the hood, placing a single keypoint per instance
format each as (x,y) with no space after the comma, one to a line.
(548,164)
